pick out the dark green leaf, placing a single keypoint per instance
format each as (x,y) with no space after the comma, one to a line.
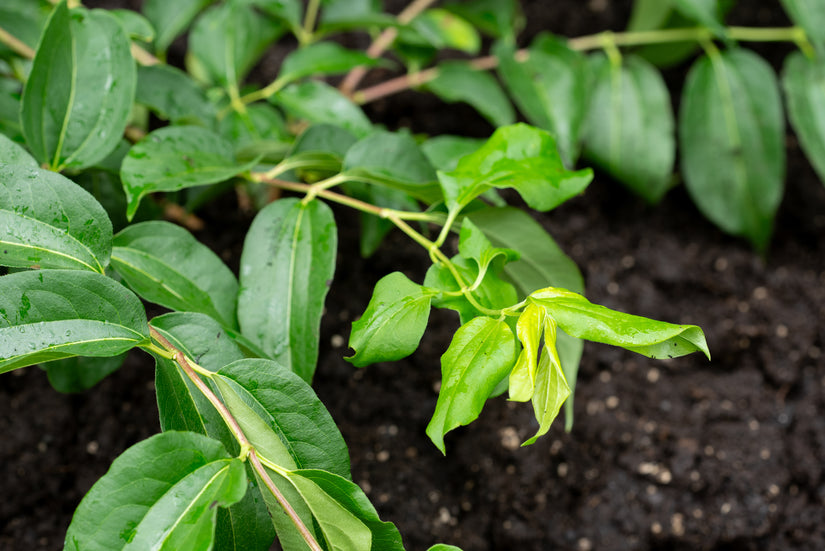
(288,11)
(731,132)
(321,58)
(472,244)
(81,373)
(52,314)
(319,151)
(160,493)
(393,323)
(171,18)
(704,12)
(810,15)
(649,14)
(25,18)
(458,81)
(479,357)
(286,268)
(12,153)
(75,105)
(344,14)
(656,339)
(445,151)
(136,26)
(804,80)
(629,128)
(10,115)
(166,265)
(172,95)
(48,221)
(519,157)
(261,130)
(497,18)
(444,547)
(318,102)
(175,158)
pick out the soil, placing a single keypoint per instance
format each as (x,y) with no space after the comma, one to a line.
(679,454)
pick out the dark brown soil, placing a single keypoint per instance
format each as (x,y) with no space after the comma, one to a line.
(683,454)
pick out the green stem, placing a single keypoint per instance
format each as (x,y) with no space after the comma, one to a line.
(17,45)
(310,17)
(266,92)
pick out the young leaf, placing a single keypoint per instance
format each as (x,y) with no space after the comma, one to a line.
(289,537)
(393,323)
(472,244)
(12,153)
(803,80)
(551,388)
(445,151)
(86,56)
(160,493)
(171,18)
(81,373)
(166,265)
(321,58)
(442,30)
(810,15)
(520,157)
(174,158)
(580,318)
(549,87)
(287,266)
(479,357)
(629,128)
(444,547)
(317,102)
(731,132)
(458,81)
(529,330)
(174,96)
(52,314)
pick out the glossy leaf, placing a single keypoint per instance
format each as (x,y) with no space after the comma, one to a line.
(445,151)
(810,15)
(480,355)
(731,132)
(166,265)
(444,547)
(318,102)
(172,95)
(705,12)
(656,339)
(81,373)
(551,388)
(287,265)
(472,244)
(803,80)
(137,27)
(629,129)
(549,86)
(529,329)
(444,30)
(322,58)
(52,314)
(12,153)
(458,81)
(497,18)
(289,537)
(518,157)
(171,18)
(80,90)
(393,323)
(174,158)
(47,221)
(163,492)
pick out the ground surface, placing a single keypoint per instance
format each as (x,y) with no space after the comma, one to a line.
(684,454)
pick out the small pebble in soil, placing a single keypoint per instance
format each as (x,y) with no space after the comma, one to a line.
(604,376)
(725,508)
(760,293)
(721,264)
(753,425)
(677,524)
(337,341)
(814,352)
(612,288)
(781,331)
(697,514)
(584,544)
(612,402)
(773,490)
(653,375)
(509,438)
(382,456)
(366,486)
(92,447)
(628,262)
(656,528)
(561,470)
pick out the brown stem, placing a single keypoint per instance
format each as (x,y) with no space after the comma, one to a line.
(16,44)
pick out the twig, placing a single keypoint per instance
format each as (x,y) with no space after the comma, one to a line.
(16,44)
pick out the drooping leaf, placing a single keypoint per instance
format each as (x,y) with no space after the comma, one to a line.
(80,90)
(171,18)
(12,153)
(174,158)
(731,133)
(480,355)
(519,157)
(705,12)
(317,153)
(48,221)
(458,81)
(580,318)
(322,58)
(137,27)
(393,323)
(166,265)
(529,329)
(810,15)
(174,96)
(52,314)
(445,151)
(317,102)
(26,18)
(497,18)
(551,388)
(803,80)
(163,492)
(81,373)
(441,30)
(287,266)
(629,129)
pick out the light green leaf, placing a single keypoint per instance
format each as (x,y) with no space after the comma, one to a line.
(12,153)
(580,318)
(174,96)
(321,58)
(75,104)
(137,27)
(810,15)
(444,547)
(347,14)
(649,14)
(287,265)
(393,323)
(47,221)
(549,86)
(731,132)
(551,388)
(442,29)
(804,81)
(497,18)
(704,12)
(171,18)
(479,357)
(174,158)
(160,493)
(80,373)
(529,330)
(519,157)
(629,129)
(166,265)
(318,102)
(472,244)
(458,81)
(289,537)
(445,151)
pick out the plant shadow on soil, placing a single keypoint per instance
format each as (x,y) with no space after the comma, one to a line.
(679,454)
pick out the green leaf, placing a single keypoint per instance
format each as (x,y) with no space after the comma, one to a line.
(497,18)
(346,14)
(519,157)
(442,30)
(472,244)
(810,15)
(395,161)
(458,81)
(444,547)
(551,388)
(322,58)
(479,357)
(287,265)
(549,87)
(52,314)
(137,27)
(803,80)
(48,221)
(289,11)
(160,493)
(174,158)
(260,131)
(393,323)
(649,14)
(81,373)
(656,339)
(318,102)
(10,115)
(375,228)
(445,151)
(731,133)
(704,12)
(12,153)
(75,104)
(26,19)
(171,18)
(629,129)
(529,330)
(174,96)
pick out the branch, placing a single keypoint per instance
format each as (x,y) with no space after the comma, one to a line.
(16,44)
